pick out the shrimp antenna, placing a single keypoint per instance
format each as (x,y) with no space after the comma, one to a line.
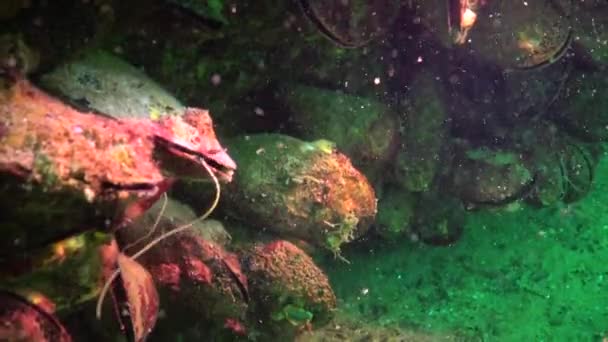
(156,222)
(160,238)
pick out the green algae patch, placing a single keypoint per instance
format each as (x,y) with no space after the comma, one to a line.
(526,274)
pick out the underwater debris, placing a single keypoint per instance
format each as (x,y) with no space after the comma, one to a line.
(299,189)
(139,308)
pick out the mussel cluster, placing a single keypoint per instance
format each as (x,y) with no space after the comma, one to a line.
(496,101)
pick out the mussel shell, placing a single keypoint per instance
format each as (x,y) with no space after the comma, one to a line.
(351,23)
(499,178)
(530,93)
(565,171)
(21,320)
(522,34)
(577,166)
(581,107)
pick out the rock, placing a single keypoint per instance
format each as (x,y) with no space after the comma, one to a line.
(289,292)
(175,214)
(100,81)
(22,320)
(300,189)
(490,176)
(439,219)
(363,129)
(44,271)
(424,132)
(395,212)
(201,285)
(70,171)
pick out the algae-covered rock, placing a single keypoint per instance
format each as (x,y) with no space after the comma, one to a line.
(395,212)
(168,214)
(364,129)
(201,285)
(423,134)
(299,189)
(103,82)
(289,292)
(64,171)
(486,176)
(439,219)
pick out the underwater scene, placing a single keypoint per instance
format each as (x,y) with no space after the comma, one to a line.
(303,170)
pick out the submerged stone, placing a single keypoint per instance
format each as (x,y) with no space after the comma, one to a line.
(290,293)
(100,81)
(299,189)
(364,129)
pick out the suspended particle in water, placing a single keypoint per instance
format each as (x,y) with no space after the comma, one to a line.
(216,79)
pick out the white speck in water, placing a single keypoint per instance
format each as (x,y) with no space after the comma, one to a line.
(258,111)
(377,80)
(216,79)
